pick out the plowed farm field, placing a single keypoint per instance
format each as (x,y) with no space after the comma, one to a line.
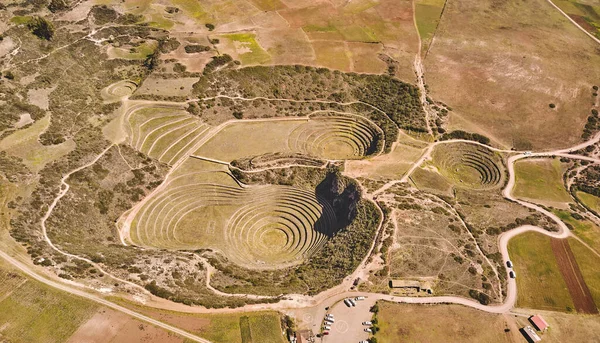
(580,293)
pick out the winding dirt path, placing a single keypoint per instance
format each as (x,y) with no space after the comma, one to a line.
(334,294)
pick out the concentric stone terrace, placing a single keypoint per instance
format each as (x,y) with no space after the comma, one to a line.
(118,90)
(335,137)
(258,227)
(469,165)
(164,133)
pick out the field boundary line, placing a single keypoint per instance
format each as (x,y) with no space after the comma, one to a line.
(574,22)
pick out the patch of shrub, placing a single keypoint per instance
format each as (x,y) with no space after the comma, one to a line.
(196,48)
(41,27)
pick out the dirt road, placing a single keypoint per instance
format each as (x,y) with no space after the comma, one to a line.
(26,270)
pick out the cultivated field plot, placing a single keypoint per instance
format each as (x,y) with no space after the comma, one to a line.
(331,137)
(580,293)
(344,35)
(469,165)
(587,262)
(202,206)
(536,269)
(247,327)
(428,14)
(585,12)
(541,181)
(31,312)
(514,60)
(165,133)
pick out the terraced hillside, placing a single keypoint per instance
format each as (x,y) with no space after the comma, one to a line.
(329,137)
(202,207)
(164,133)
(469,165)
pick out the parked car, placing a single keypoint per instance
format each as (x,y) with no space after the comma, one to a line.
(359,298)
(509,264)
(329,315)
(329,320)
(367,323)
(325,333)
(326,327)
(368,330)
(512,274)
(352,302)
(363,342)
(347,302)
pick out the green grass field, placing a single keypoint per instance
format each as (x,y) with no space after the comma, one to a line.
(24,143)
(584,229)
(540,180)
(539,282)
(588,263)
(591,201)
(32,312)
(249,51)
(428,14)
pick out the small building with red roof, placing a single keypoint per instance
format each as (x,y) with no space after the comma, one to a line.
(539,322)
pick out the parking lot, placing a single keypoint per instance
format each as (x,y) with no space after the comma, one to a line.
(348,326)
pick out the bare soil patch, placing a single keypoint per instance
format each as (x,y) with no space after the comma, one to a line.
(580,293)
(111,326)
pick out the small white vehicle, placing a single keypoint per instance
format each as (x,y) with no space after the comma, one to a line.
(509,264)
(359,298)
(329,315)
(347,302)
(329,320)
(368,330)
(352,302)
(363,342)
(527,153)
(367,323)
(326,327)
(512,274)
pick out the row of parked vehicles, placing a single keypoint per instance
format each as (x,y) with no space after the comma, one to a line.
(329,318)
(511,273)
(352,302)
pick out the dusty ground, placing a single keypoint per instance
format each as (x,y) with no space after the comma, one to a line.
(499,64)
(348,322)
(108,326)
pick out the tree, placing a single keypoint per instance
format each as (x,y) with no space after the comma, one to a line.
(41,27)
(210,27)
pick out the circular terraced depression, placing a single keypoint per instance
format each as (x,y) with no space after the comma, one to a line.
(118,90)
(284,225)
(263,227)
(335,137)
(469,165)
